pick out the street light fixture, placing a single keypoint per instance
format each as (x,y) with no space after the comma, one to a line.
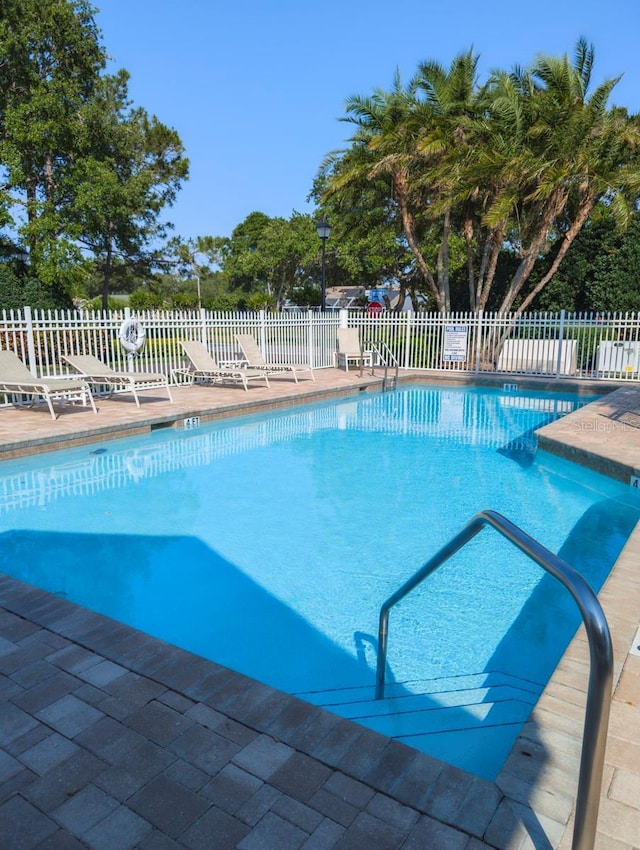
(323,229)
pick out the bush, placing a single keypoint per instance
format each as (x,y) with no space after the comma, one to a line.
(260,301)
(224,301)
(588,341)
(184,301)
(112,303)
(142,299)
(18,291)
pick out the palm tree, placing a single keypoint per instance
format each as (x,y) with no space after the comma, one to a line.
(571,152)
(448,119)
(516,165)
(406,135)
(384,145)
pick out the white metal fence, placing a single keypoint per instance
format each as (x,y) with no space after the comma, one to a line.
(605,346)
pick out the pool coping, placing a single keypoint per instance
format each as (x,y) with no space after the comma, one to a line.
(533,796)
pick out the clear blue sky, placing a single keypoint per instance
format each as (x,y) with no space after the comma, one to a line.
(256,89)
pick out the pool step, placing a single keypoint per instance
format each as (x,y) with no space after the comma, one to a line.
(442,716)
(442,685)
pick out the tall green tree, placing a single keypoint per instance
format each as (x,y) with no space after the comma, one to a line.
(272,256)
(404,135)
(198,260)
(51,58)
(86,175)
(612,281)
(445,117)
(129,169)
(371,249)
(239,248)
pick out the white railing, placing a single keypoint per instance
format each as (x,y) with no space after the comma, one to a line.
(553,345)
(584,345)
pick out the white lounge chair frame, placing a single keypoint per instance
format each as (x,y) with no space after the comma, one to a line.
(349,349)
(204,367)
(98,373)
(17,380)
(255,359)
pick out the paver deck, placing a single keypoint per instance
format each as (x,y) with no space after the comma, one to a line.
(113,739)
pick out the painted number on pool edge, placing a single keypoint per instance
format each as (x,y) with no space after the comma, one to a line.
(191,422)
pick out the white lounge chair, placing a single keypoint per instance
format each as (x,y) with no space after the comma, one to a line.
(349,349)
(255,359)
(17,380)
(204,366)
(99,374)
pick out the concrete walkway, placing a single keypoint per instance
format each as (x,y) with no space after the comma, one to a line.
(112,739)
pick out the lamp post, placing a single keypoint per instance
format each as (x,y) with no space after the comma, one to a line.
(323,229)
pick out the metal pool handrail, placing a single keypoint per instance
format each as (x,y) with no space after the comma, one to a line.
(386,357)
(600,651)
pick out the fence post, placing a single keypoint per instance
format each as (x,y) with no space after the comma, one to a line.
(203,326)
(479,338)
(407,340)
(262,314)
(31,342)
(560,341)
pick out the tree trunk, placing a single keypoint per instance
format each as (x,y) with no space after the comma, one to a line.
(402,294)
(443,262)
(584,211)
(493,247)
(108,267)
(467,230)
(554,207)
(48,173)
(408,226)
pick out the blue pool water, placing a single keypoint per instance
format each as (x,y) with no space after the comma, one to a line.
(269,543)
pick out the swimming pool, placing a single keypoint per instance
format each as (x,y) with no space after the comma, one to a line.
(268,544)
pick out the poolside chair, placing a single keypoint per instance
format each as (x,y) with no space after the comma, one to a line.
(349,349)
(255,360)
(17,380)
(203,366)
(98,373)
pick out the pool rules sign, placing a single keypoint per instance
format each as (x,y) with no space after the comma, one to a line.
(455,344)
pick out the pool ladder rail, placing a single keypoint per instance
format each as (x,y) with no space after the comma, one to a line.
(600,652)
(379,354)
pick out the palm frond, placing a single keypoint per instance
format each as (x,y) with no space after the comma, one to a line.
(583,61)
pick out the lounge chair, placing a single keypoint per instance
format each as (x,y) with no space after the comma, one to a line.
(98,373)
(203,366)
(349,349)
(16,379)
(255,360)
